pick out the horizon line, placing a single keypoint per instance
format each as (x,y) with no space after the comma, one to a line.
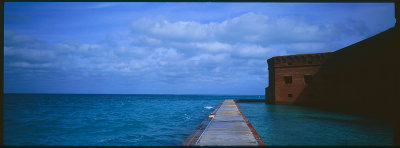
(134,94)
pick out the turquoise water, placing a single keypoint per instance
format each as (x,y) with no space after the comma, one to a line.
(294,125)
(118,120)
(166,120)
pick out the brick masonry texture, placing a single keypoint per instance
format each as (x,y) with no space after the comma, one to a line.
(362,79)
(296,67)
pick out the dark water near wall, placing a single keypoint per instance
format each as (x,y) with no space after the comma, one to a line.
(42,119)
(294,125)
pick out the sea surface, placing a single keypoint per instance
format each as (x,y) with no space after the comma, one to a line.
(117,120)
(167,120)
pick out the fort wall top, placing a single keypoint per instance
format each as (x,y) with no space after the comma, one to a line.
(298,60)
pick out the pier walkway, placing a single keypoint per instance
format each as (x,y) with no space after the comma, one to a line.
(226,126)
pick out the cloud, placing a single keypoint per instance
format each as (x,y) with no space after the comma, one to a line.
(17,40)
(247,28)
(30,65)
(163,52)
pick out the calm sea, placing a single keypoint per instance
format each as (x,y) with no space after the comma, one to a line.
(119,120)
(293,126)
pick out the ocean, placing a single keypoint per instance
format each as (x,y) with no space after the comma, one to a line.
(167,120)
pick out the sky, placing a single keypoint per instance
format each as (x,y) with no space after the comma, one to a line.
(171,48)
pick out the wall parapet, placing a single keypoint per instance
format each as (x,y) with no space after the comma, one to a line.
(315,59)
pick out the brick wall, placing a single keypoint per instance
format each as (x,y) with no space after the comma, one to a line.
(362,79)
(296,67)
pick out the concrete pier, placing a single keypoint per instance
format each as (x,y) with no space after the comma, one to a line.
(226,126)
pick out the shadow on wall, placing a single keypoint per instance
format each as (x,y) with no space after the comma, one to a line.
(360,79)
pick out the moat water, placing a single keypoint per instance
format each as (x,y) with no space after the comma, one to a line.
(294,125)
(166,120)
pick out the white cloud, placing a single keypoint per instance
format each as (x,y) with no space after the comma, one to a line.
(182,51)
(212,46)
(246,28)
(30,65)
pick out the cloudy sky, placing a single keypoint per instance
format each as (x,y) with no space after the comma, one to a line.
(171,48)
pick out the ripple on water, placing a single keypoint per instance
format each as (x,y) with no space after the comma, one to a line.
(121,120)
